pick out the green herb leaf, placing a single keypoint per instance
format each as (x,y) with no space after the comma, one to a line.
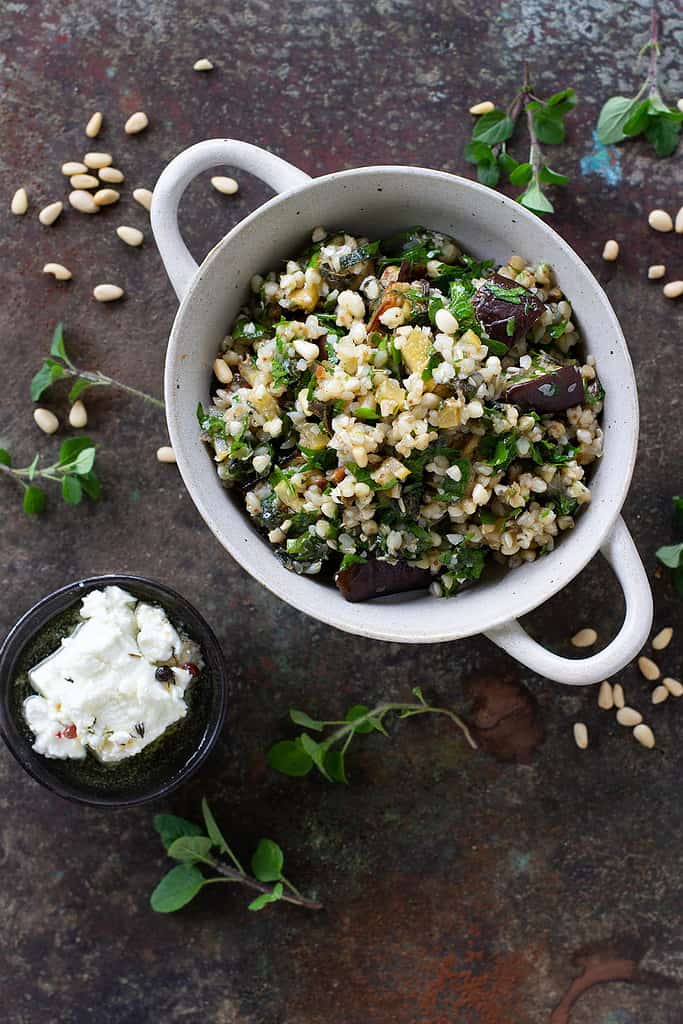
(268,861)
(548,176)
(57,347)
(562,102)
(535,200)
(84,461)
(521,175)
(212,829)
(33,468)
(316,751)
(671,556)
(72,492)
(177,888)
(616,113)
(170,827)
(358,711)
(301,718)
(493,127)
(34,501)
(678,510)
(190,848)
(335,766)
(70,449)
(49,372)
(289,757)
(91,485)
(267,897)
(663,133)
(5,457)
(79,386)
(549,127)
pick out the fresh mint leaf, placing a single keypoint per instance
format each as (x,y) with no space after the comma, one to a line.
(301,718)
(212,829)
(663,133)
(190,848)
(177,888)
(356,712)
(267,897)
(85,461)
(72,492)
(78,387)
(34,501)
(548,125)
(535,200)
(615,113)
(49,372)
(335,766)
(267,861)
(671,555)
(316,751)
(289,757)
(91,485)
(57,347)
(548,176)
(70,449)
(492,128)
(521,175)
(636,122)
(5,457)
(170,827)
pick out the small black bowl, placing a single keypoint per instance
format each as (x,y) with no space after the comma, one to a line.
(156,770)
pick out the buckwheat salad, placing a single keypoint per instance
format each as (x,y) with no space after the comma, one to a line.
(398,415)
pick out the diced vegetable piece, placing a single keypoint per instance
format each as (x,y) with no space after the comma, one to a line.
(549,392)
(449,414)
(390,469)
(416,350)
(506,309)
(391,396)
(313,436)
(288,496)
(374,578)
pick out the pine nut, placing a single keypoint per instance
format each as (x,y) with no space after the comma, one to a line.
(84,181)
(131,236)
(97,160)
(58,271)
(222,371)
(107,292)
(227,186)
(673,289)
(660,694)
(648,668)
(19,204)
(618,695)
(629,716)
(73,167)
(78,415)
(656,271)
(446,322)
(166,454)
(660,220)
(203,65)
(605,696)
(46,420)
(143,196)
(48,215)
(663,639)
(678,223)
(610,251)
(584,638)
(673,686)
(485,107)
(644,735)
(106,196)
(580,735)
(94,125)
(306,349)
(83,201)
(137,122)
(111,175)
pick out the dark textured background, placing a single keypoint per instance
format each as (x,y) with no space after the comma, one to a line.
(456,888)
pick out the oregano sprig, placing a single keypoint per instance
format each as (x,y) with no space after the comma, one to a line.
(299,756)
(59,365)
(73,471)
(646,113)
(196,848)
(492,133)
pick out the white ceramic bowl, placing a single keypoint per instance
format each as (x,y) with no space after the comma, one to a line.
(378,201)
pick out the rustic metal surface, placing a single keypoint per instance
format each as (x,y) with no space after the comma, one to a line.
(456,888)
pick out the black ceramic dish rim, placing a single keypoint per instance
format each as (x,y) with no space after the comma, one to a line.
(35,618)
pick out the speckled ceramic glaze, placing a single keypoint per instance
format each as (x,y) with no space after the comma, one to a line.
(378,201)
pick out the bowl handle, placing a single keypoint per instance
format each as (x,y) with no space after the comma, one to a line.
(622,555)
(168,191)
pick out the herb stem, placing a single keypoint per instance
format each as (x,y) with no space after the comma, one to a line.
(231,875)
(413,709)
(99,379)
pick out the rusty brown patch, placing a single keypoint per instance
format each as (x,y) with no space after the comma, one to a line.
(505,718)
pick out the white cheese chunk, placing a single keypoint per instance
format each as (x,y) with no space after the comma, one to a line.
(98,691)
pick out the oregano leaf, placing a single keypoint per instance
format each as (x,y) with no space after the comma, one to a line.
(267,897)
(492,128)
(267,861)
(72,492)
(190,848)
(170,827)
(213,831)
(79,386)
(301,718)
(177,888)
(614,115)
(57,347)
(5,457)
(289,757)
(34,501)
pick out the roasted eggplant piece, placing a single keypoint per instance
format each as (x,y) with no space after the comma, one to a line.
(549,392)
(375,578)
(506,309)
